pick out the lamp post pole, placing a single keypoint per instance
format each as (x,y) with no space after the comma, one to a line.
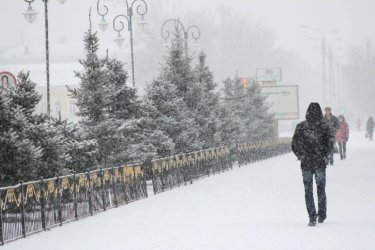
(30,16)
(324,52)
(324,78)
(333,79)
(140,7)
(47,54)
(194,30)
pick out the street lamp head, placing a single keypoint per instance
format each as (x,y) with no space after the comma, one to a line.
(142,22)
(61,1)
(103,24)
(119,40)
(30,14)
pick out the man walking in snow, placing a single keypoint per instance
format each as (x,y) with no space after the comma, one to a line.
(334,125)
(370,128)
(312,144)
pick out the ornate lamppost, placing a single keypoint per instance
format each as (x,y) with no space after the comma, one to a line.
(138,7)
(30,15)
(192,30)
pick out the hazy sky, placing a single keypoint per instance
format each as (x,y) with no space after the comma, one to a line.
(353,19)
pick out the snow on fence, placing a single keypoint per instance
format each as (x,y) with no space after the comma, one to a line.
(39,205)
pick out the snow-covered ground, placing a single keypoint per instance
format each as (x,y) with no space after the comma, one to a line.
(260,206)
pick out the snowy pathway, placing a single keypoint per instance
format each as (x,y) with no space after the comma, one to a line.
(260,206)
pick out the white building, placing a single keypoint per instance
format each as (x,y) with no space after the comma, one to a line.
(61,102)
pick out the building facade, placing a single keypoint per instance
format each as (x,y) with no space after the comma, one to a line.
(61,103)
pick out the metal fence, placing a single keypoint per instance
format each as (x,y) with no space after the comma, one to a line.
(36,206)
(256,151)
(182,169)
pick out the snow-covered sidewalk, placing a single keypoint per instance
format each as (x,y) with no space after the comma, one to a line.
(260,206)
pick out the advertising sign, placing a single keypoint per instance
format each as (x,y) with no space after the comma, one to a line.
(283,101)
(268,75)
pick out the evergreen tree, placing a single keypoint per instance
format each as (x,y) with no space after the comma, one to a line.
(20,157)
(30,145)
(206,104)
(172,116)
(92,100)
(171,96)
(244,113)
(229,120)
(79,154)
(111,111)
(258,126)
(177,68)
(89,96)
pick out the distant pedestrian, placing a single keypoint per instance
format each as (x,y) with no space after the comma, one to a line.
(333,124)
(370,128)
(342,136)
(312,144)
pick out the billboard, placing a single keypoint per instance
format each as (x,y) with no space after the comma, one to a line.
(268,75)
(282,100)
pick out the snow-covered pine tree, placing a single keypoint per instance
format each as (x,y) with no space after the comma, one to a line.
(206,102)
(170,95)
(89,95)
(42,130)
(92,100)
(19,157)
(31,148)
(125,110)
(177,68)
(229,121)
(250,119)
(79,154)
(258,126)
(111,111)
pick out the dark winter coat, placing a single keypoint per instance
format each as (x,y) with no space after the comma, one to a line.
(333,124)
(312,142)
(370,124)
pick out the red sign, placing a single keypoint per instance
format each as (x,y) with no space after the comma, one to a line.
(7,80)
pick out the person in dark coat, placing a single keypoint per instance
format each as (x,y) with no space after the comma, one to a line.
(342,136)
(334,125)
(370,128)
(312,145)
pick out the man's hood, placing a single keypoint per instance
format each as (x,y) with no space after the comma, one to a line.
(314,113)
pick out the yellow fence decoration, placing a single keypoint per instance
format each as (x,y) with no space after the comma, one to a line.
(11,197)
(31,193)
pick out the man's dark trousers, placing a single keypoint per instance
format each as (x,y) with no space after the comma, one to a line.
(320,178)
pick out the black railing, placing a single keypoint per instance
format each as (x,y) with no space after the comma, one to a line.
(39,205)
(182,169)
(36,206)
(256,151)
